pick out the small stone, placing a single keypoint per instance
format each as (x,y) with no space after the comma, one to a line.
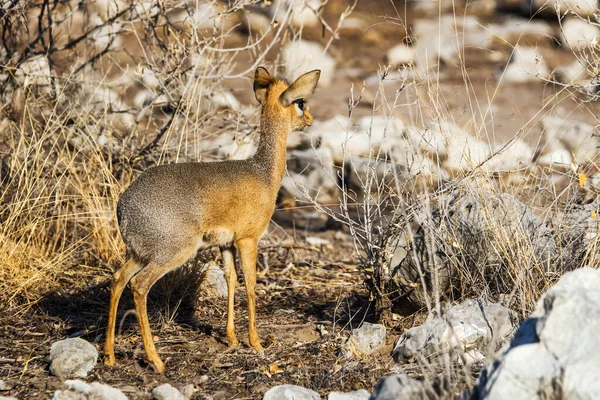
(356,395)
(396,387)
(213,283)
(317,241)
(188,390)
(72,358)
(167,392)
(291,392)
(364,340)
(4,386)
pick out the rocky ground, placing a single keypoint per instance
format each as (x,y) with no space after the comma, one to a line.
(449,97)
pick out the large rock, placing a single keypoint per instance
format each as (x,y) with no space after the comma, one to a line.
(525,64)
(291,392)
(577,34)
(79,390)
(473,230)
(301,56)
(470,330)
(581,139)
(555,352)
(396,387)
(72,358)
(364,340)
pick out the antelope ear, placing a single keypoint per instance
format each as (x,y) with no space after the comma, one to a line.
(303,87)
(262,81)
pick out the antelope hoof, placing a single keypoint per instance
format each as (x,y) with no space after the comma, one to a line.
(109,360)
(256,344)
(232,343)
(158,365)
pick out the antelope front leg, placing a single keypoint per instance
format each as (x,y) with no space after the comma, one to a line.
(231,278)
(248,249)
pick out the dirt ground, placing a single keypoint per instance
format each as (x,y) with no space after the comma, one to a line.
(311,296)
(307,303)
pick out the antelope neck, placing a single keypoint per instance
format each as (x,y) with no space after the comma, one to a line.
(271,154)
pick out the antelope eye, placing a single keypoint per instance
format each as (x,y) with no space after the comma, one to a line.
(300,104)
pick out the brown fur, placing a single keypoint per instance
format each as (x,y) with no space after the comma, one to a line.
(171,211)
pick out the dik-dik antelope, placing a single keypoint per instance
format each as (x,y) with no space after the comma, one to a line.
(171,211)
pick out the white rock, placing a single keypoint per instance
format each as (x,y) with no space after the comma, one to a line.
(214,284)
(368,137)
(142,98)
(577,34)
(573,73)
(471,325)
(72,358)
(34,71)
(459,150)
(317,241)
(257,23)
(518,155)
(583,8)
(291,392)
(167,392)
(400,54)
(107,35)
(79,390)
(555,352)
(301,56)
(8,398)
(4,385)
(227,147)
(395,387)
(356,395)
(108,8)
(225,99)
(525,64)
(149,78)
(364,340)
(437,42)
(201,15)
(557,157)
(302,14)
(581,139)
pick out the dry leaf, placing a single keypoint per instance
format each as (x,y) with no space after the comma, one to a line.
(582,180)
